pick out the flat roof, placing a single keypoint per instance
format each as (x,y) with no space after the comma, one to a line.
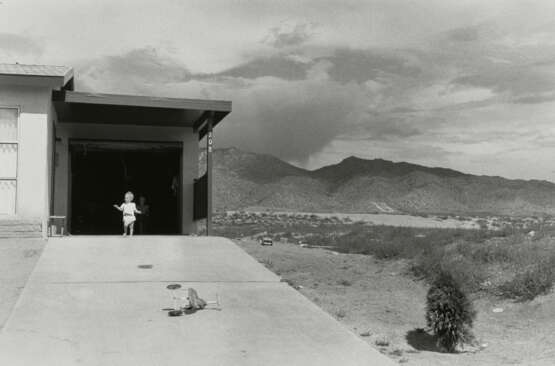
(40,75)
(82,107)
(144,101)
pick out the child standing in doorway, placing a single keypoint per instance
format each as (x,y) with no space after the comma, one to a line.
(129,210)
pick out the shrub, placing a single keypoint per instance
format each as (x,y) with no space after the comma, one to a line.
(449,313)
(340,313)
(465,272)
(428,263)
(344,283)
(535,281)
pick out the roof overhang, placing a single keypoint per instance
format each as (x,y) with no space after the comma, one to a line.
(81,107)
(53,77)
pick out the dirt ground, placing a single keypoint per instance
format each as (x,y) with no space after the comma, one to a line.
(17,259)
(382,303)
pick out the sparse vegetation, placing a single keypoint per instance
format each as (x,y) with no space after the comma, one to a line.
(340,313)
(382,342)
(535,281)
(344,282)
(513,261)
(449,312)
(380,304)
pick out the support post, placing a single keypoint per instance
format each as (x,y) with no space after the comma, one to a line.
(209,146)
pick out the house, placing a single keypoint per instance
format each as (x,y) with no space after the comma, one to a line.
(68,156)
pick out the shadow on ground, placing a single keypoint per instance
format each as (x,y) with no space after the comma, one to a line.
(420,340)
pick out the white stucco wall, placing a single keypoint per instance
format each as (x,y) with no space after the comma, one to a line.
(33,129)
(67,131)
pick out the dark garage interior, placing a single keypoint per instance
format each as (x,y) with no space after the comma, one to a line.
(101,173)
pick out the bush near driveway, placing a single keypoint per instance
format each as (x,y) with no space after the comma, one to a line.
(449,313)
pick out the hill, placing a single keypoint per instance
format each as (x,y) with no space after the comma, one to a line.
(245,180)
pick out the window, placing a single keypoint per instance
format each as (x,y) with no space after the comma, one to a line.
(8,159)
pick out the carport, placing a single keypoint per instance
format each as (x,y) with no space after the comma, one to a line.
(107,144)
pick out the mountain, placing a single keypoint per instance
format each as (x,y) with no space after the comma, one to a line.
(249,180)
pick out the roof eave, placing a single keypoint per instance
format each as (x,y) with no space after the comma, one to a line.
(54,82)
(142,101)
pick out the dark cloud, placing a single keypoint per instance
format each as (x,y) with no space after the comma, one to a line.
(279,66)
(13,45)
(280,38)
(291,120)
(362,65)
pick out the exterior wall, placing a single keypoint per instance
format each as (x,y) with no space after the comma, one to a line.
(32,168)
(190,173)
(67,131)
(49,163)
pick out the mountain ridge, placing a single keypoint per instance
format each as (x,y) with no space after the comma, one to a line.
(244,180)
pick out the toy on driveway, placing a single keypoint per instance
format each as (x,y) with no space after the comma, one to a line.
(188,304)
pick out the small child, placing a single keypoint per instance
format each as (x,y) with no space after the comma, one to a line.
(129,210)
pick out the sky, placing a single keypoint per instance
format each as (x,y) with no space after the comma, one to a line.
(466,84)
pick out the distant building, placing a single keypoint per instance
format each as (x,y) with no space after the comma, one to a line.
(72,155)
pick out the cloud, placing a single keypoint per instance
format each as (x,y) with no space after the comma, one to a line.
(466,34)
(279,66)
(289,35)
(392,128)
(534,99)
(18,48)
(370,64)
(431,83)
(291,120)
(135,71)
(513,80)
(509,62)
(471,36)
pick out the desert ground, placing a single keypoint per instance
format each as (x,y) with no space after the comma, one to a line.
(381,302)
(374,278)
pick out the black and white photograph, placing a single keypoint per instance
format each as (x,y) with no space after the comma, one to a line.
(277,182)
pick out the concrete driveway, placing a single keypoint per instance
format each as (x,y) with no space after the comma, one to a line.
(89,302)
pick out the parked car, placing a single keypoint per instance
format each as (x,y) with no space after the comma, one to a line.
(266,241)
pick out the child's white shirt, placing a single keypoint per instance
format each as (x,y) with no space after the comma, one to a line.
(128,208)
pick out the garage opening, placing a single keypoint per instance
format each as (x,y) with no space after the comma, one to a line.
(102,171)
